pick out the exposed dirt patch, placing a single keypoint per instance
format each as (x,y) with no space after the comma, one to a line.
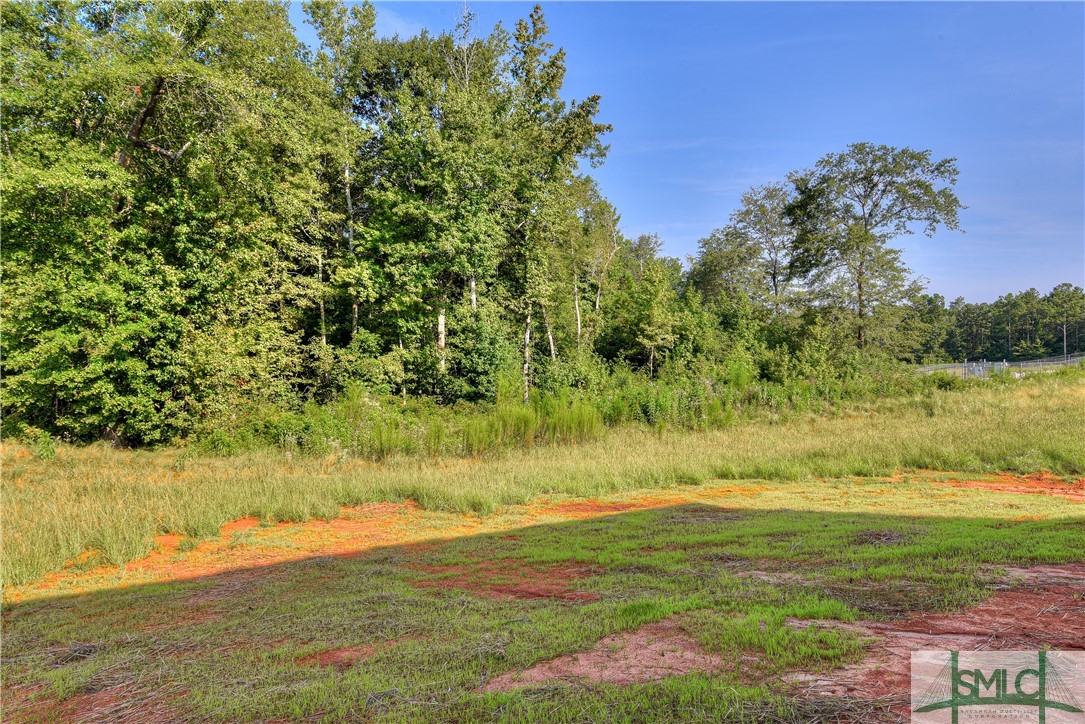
(229,585)
(193,616)
(1034,484)
(723,559)
(1047,609)
(239,526)
(123,703)
(593,507)
(1069,574)
(775,577)
(359,530)
(168,543)
(342,659)
(702,515)
(582,509)
(653,651)
(883,537)
(507,579)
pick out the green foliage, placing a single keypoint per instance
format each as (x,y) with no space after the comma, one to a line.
(211,232)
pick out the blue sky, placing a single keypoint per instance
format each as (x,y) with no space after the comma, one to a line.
(709,99)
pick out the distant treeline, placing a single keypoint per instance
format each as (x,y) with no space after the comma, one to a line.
(203,217)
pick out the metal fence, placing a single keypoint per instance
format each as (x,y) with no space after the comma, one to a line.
(982,368)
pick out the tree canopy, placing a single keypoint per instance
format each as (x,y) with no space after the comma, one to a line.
(202,216)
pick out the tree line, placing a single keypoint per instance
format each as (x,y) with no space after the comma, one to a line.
(200,214)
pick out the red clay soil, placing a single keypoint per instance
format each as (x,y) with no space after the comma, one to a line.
(343,659)
(358,531)
(122,703)
(592,507)
(1036,484)
(506,579)
(653,651)
(361,529)
(581,509)
(192,617)
(1046,608)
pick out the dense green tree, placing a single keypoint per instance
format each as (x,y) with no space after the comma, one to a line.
(1065,311)
(155,172)
(549,137)
(726,266)
(762,221)
(847,209)
(925,328)
(346,51)
(204,220)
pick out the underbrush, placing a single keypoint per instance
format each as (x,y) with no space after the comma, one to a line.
(370,427)
(568,407)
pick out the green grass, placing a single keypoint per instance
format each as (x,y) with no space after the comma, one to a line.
(229,647)
(115,501)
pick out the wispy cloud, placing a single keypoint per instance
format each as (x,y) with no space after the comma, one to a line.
(662,146)
(390,24)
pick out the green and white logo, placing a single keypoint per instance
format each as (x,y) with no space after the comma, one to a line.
(998,686)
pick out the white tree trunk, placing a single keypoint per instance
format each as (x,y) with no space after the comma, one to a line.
(403,371)
(576,306)
(527,358)
(441,339)
(350,232)
(549,334)
(320,278)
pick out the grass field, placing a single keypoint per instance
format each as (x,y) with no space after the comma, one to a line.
(113,502)
(748,562)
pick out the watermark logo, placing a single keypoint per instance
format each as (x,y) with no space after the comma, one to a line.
(998,686)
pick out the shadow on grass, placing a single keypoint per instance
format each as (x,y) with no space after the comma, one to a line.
(410,632)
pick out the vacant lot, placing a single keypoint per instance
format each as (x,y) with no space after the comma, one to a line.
(792,591)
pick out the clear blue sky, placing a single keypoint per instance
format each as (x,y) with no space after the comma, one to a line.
(709,99)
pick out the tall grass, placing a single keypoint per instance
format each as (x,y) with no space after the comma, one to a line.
(360,425)
(115,501)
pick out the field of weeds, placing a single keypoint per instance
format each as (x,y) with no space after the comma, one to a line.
(766,573)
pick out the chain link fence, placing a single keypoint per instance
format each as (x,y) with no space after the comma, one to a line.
(982,368)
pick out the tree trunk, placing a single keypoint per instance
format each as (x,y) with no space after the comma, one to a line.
(441,339)
(862,310)
(576,306)
(320,278)
(135,130)
(774,278)
(403,371)
(474,294)
(350,234)
(549,334)
(652,362)
(527,358)
(350,207)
